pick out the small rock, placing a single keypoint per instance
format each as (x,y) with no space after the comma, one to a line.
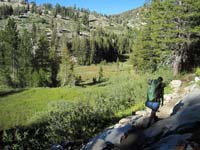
(124,121)
(117,125)
(176,83)
(168,97)
(142,113)
(148,110)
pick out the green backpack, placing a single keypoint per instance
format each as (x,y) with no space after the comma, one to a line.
(152,91)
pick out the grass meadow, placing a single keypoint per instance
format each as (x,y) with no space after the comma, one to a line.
(21,107)
(27,106)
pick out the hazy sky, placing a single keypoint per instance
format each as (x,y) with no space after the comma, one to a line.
(101,6)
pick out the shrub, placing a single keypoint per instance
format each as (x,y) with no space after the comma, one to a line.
(197,72)
(75,122)
(79,122)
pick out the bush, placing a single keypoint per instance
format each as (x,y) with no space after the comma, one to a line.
(75,122)
(197,72)
(81,121)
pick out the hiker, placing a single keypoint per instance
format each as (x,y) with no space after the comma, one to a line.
(155,94)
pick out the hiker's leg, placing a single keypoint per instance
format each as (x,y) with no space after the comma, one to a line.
(152,117)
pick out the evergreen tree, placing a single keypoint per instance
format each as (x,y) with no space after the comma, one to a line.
(92,49)
(171,27)
(65,75)
(85,19)
(75,46)
(25,68)
(100,73)
(2,59)
(54,63)
(11,54)
(5,11)
(41,61)
(143,56)
(34,33)
(84,51)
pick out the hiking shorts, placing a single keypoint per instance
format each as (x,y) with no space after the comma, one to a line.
(152,105)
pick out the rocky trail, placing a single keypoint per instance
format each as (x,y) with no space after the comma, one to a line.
(170,100)
(178,127)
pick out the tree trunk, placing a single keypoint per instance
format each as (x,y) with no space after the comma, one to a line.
(177,64)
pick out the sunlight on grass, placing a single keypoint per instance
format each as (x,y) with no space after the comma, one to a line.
(17,109)
(121,90)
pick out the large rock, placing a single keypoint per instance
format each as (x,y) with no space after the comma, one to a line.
(171,142)
(176,84)
(130,119)
(142,122)
(134,140)
(185,116)
(112,135)
(192,87)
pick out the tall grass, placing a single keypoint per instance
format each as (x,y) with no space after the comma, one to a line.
(98,106)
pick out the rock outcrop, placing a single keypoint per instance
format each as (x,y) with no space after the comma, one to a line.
(175,131)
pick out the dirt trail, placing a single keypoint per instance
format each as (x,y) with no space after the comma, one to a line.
(166,109)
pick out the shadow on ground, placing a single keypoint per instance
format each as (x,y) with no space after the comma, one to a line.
(5,93)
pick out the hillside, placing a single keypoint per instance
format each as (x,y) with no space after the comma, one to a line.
(89,38)
(14,3)
(131,18)
(44,18)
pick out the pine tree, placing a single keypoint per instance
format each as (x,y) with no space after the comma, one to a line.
(173,27)
(2,59)
(54,63)
(25,68)
(85,19)
(84,51)
(34,33)
(41,61)
(143,56)
(185,11)
(11,55)
(92,49)
(66,67)
(75,46)
(100,73)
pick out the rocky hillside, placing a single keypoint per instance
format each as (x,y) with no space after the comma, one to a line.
(45,18)
(13,3)
(177,127)
(131,18)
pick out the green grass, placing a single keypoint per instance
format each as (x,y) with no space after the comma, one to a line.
(18,109)
(29,106)
(132,109)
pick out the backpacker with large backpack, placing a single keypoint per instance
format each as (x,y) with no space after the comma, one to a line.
(153,94)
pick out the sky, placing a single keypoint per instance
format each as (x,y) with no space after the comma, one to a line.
(108,7)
